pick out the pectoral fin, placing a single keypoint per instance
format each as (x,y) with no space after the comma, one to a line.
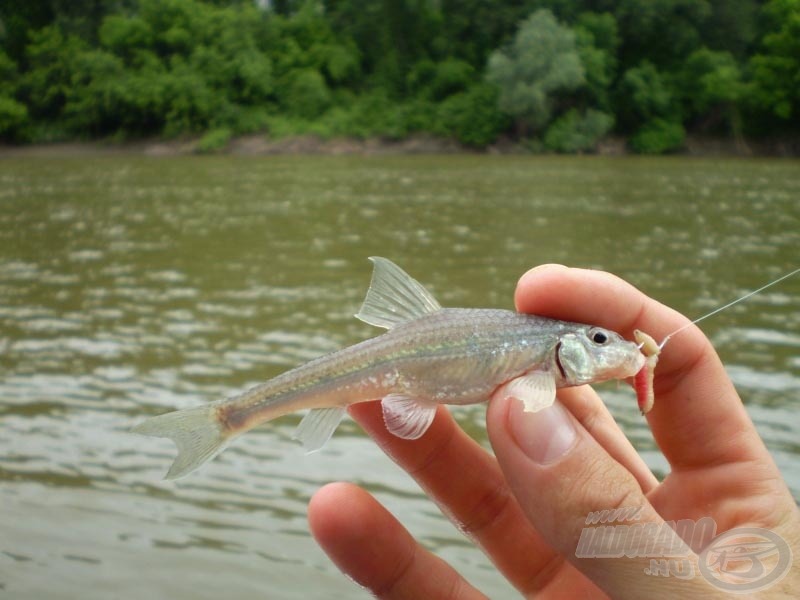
(317,427)
(407,418)
(536,390)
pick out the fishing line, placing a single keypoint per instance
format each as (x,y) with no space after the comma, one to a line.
(728,305)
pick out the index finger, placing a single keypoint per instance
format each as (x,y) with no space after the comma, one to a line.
(698,419)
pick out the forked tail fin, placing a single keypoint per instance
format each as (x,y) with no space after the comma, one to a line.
(195,431)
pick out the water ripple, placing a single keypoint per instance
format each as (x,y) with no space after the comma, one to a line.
(144,286)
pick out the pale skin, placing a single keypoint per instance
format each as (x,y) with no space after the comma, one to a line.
(525,506)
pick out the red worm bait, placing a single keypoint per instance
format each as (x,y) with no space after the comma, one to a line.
(643,380)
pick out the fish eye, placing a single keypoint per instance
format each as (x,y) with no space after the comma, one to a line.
(599,337)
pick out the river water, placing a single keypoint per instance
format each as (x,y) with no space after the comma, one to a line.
(131,286)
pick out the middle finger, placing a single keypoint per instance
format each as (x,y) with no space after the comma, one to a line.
(467,484)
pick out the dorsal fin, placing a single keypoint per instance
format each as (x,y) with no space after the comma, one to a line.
(394,297)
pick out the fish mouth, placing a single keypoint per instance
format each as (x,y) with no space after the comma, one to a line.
(558,362)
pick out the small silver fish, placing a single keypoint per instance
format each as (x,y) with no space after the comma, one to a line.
(430,355)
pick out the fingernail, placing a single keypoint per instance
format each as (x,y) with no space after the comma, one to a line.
(544,436)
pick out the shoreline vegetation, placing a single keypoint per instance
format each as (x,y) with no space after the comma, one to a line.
(262,145)
(403,76)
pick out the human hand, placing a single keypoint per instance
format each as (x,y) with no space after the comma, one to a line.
(526,508)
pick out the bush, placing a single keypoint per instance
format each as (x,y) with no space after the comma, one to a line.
(306,96)
(451,76)
(96,99)
(472,117)
(145,98)
(375,114)
(437,81)
(710,79)
(658,136)
(13,118)
(281,126)
(242,119)
(214,140)
(125,35)
(51,60)
(252,78)
(645,96)
(191,104)
(340,61)
(575,132)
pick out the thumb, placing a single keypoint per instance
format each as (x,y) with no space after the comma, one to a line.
(559,474)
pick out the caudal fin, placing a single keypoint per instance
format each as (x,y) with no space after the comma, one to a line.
(195,431)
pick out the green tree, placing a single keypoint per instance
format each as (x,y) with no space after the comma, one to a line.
(732,26)
(178,66)
(647,102)
(13,114)
(51,58)
(125,36)
(597,41)
(663,32)
(712,87)
(645,94)
(472,29)
(541,62)
(96,97)
(437,81)
(776,67)
(473,69)
(392,36)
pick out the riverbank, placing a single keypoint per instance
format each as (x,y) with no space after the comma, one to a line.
(261,145)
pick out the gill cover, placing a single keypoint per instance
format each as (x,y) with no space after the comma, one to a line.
(597,354)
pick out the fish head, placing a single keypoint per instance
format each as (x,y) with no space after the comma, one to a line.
(595,354)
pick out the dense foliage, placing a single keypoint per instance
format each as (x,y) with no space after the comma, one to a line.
(557,74)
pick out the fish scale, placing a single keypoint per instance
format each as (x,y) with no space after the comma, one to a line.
(429,356)
(466,340)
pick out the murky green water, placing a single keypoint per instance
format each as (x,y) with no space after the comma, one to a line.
(130,286)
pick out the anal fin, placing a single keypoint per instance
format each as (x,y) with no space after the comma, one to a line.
(407,417)
(317,427)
